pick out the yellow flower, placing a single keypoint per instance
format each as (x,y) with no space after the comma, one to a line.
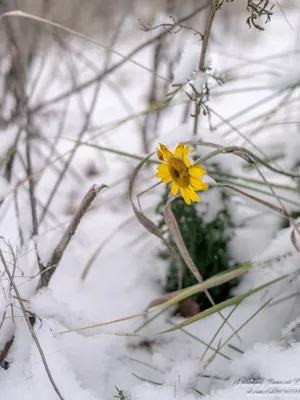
(178,168)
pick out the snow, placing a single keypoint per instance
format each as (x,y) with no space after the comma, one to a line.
(183,374)
(89,354)
(188,64)
(29,380)
(147,392)
(289,77)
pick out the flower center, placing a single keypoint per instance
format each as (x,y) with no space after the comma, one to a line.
(179,172)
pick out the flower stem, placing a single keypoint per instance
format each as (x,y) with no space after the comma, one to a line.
(211,16)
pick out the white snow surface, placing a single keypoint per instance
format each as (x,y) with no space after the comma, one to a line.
(188,64)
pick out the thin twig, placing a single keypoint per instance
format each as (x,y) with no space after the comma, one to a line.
(84,126)
(211,16)
(115,66)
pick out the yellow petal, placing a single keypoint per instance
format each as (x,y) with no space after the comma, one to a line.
(166,152)
(174,189)
(160,175)
(166,179)
(193,195)
(196,170)
(185,156)
(163,169)
(186,195)
(160,155)
(179,150)
(198,184)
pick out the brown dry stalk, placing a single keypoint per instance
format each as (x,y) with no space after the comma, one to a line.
(206,36)
(211,16)
(58,252)
(176,236)
(148,224)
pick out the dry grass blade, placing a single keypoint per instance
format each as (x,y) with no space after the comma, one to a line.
(33,175)
(174,298)
(218,331)
(265,203)
(111,69)
(166,297)
(64,241)
(201,341)
(296,227)
(177,296)
(221,306)
(8,155)
(32,17)
(145,221)
(176,236)
(240,328)
(164,302)
(293,238)
(245,154)
(115,321)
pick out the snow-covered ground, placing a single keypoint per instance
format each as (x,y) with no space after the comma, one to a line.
(106,360)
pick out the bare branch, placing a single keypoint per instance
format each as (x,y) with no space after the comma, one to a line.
(211,16)
(115,66)
(64,241)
